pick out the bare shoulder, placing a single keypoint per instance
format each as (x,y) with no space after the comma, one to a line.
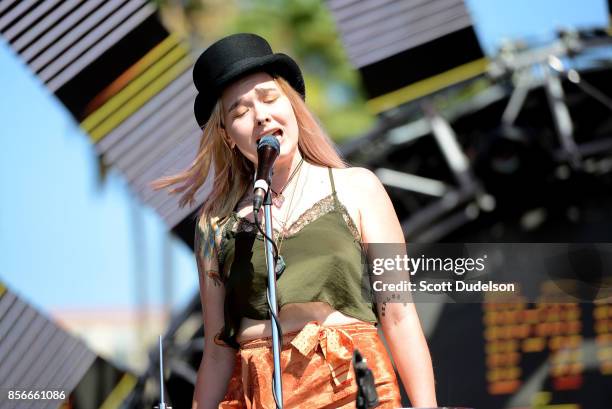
(366,194)
(356,188)
(358,181)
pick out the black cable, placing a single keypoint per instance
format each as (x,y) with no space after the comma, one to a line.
(266,237)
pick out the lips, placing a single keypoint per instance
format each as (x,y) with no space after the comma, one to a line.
(277,133)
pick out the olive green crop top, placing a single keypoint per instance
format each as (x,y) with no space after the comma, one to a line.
(323,255)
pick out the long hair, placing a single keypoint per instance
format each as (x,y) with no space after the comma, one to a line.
(233,173)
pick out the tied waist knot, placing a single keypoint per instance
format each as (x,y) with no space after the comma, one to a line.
(336,344)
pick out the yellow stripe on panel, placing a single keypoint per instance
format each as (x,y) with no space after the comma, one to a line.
(133,88)
(562,406)
(427,86)
(140,99)
(119,393)
(133,72)
(159,50)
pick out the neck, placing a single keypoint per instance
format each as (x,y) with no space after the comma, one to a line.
(282,171)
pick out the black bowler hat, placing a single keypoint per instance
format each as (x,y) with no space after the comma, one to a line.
(233,57)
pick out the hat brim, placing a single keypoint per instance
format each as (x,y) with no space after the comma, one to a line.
(275,64)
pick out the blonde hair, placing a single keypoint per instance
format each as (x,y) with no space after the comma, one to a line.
(233,172)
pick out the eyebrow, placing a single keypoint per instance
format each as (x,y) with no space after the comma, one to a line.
(234,105)
(260,91)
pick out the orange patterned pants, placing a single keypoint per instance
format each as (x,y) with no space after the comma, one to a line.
(316,369)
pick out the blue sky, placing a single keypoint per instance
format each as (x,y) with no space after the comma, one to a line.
(66,241)
(532,19)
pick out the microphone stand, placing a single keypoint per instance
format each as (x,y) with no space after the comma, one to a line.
(367,397)
(270,263)
(162,403)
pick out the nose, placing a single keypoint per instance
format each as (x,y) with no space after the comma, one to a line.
(263,119)
(262,116)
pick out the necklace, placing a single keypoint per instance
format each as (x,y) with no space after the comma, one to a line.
(280,263)
(278,198)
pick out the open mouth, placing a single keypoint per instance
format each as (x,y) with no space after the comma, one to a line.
(277,134)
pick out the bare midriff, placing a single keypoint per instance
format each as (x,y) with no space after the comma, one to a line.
(293,317)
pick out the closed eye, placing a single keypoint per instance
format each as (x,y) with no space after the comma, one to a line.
(270,99)
(240,112)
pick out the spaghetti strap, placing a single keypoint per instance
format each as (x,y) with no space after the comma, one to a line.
(333,186)
(331,180)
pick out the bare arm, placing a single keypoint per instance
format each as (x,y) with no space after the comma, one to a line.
(399,321)
(217,361)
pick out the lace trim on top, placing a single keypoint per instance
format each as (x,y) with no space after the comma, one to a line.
(318,209)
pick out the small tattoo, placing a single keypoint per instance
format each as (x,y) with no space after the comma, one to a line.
(208,246)
(214,275)
(384,306)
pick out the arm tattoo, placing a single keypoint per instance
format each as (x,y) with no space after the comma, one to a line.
(383,307)
(205,246)
(214,275)
(208,244)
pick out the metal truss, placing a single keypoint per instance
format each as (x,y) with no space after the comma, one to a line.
(513,75)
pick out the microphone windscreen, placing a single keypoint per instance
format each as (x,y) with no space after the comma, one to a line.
(268,150)
(269,141)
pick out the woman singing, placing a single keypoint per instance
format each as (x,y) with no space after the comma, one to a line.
(323,214)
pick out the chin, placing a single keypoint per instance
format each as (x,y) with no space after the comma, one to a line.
(287,152)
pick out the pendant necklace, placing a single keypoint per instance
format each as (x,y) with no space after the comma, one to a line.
(278,199)
(280,262)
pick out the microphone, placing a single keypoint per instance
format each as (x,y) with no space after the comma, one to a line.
(268,150)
